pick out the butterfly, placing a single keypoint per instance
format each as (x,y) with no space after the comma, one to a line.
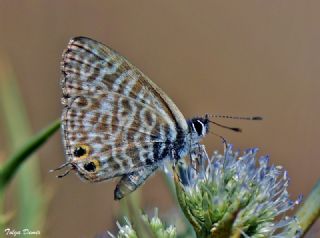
(116,122)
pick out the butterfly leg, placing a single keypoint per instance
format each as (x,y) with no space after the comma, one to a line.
(197,155)
(130,182)
(174,158)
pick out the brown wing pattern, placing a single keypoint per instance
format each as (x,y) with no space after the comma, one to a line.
(113,115)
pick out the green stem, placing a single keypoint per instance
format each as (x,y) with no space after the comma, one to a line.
(140,226)
(188,232)
(183,205)
(309,212)
(10,166)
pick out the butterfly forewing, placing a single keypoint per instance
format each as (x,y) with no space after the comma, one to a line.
(113,115)
(90,61)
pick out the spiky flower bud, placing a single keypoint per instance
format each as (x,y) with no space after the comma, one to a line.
(153,227)
(236,196)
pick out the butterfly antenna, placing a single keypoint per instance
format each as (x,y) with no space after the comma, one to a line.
(253,118)
(236,129)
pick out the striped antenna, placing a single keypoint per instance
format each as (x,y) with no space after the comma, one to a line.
(236,129)
(253,118)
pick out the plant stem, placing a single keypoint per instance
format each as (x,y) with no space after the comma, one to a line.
(309,212)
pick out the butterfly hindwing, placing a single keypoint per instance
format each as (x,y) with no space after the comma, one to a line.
(121,141)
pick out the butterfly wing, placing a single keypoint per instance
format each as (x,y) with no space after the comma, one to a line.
(130,182)
(115,120)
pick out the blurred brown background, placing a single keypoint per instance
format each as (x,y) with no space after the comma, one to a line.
(223,57)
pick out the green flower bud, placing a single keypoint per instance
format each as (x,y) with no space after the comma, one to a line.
(230,196)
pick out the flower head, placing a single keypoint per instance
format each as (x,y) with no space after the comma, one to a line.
(154,226)
(236,196)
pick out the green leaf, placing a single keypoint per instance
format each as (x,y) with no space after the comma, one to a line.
(10,166)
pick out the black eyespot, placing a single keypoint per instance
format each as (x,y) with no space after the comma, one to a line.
(90,167)
(79,151)
(198,127)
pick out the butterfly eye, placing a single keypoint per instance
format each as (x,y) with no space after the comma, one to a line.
(198,127)
(81,151)
(91,166)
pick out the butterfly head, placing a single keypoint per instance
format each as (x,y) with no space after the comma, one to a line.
(199,127)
